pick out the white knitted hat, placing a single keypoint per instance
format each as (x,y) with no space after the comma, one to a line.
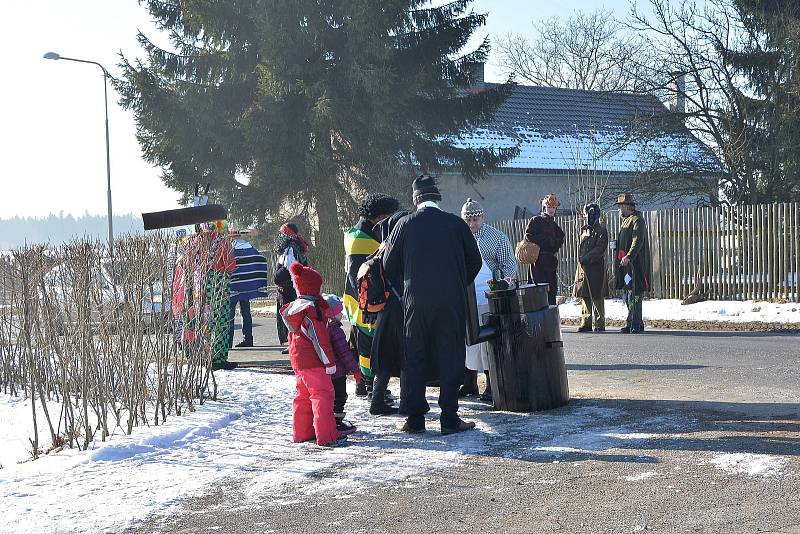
(471,209)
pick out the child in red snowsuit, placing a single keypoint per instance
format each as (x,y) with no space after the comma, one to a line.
(312,359)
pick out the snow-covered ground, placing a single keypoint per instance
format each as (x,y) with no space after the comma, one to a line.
(247,435)
(672,310)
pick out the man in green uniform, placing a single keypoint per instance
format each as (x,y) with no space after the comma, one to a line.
(632,271)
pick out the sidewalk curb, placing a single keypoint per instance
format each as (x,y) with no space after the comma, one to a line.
(724,326)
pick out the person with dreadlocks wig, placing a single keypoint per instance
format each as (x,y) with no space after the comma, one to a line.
(360,241)
(290,247)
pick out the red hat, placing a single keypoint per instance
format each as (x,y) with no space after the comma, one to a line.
(550,201)
(306,280)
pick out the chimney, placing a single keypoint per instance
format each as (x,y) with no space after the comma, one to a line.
(677,93)
(475,73)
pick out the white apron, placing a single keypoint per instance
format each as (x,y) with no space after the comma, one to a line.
(478,355)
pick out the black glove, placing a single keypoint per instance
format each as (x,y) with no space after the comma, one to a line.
(369,318)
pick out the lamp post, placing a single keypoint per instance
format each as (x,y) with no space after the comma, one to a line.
(53,55)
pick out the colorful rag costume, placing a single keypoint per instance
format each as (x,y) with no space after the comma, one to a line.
(201,292)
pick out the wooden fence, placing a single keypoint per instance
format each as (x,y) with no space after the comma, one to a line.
(737,253)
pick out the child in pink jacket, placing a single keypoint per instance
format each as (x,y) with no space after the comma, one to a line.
(345,363)
(312,358)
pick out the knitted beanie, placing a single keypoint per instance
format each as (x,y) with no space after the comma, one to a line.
(335,305)
(306,280)
(425,188)
(471,208)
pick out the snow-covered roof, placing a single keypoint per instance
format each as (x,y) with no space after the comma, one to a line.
(566,129)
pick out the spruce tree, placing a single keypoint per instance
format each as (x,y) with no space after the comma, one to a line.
(769,60)
(308,99)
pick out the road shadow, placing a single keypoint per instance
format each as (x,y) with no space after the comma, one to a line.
(631,367)
(718,333)
(613,430)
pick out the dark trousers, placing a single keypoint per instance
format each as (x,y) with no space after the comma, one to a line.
(380,383)
(436,334)
(340,396)
(634,320)
(283,332)
(247,321)
(542,276)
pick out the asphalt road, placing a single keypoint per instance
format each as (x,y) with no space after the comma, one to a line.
(692,396)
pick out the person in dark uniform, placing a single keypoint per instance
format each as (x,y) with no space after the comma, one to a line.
(591,278)
(545,232)
(436,257)
(387,343)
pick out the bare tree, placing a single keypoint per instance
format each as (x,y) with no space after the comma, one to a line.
(588,176)
(591,51)
(707,92)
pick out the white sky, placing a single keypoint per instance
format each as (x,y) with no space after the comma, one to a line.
(53,136)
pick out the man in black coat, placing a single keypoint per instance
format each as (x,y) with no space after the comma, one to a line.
(436,257)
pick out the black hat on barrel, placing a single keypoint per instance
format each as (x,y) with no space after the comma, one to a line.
(425,188)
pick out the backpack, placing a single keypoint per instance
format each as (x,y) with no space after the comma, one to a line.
(373,288)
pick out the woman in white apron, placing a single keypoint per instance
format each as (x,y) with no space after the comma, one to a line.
(478,355)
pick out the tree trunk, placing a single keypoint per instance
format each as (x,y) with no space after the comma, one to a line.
(328,253)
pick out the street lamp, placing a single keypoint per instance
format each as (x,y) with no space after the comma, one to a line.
(53,55)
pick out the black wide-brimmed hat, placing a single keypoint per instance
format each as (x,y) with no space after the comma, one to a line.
(425,188)
(625,198)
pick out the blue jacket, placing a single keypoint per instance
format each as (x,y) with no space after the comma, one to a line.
(249,278)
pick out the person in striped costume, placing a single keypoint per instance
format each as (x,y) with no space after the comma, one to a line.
(360,241)
(497,255)
(248,282)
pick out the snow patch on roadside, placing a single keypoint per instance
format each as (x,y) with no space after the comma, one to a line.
(640,477)
(630,435)
(672,310)
(750,464)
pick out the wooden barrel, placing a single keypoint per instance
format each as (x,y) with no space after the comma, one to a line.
(526,363)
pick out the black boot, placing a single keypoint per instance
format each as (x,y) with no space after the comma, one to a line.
(361,388)
(470,386)
(379,404)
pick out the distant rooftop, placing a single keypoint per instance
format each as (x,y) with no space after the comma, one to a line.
(564,129)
